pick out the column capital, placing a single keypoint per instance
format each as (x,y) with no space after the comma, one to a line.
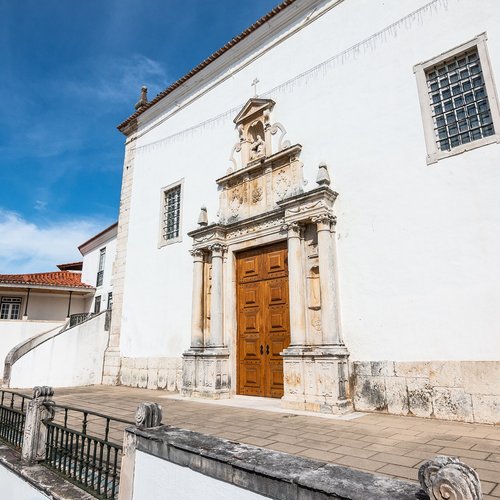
(197,254)
(294,229)
(324,221)
(217,249)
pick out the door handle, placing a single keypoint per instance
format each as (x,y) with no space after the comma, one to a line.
(261,349)
(267,349)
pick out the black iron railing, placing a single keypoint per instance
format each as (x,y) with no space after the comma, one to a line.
(12,417)
(78,319)
(85,447)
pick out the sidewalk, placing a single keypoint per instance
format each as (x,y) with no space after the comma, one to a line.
(387,444)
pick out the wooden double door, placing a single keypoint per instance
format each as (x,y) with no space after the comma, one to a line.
(263,320)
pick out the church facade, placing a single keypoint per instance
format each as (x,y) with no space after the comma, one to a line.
(310,214)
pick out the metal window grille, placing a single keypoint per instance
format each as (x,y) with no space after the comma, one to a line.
(100,278)
(97,304)
(172,213)
(102,257)
(10,308)
(460,107)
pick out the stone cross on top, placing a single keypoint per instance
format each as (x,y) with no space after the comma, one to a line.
(254,85)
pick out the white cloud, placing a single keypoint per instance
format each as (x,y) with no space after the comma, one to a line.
(118,80)
(26,247)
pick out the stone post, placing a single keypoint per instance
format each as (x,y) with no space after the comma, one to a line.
(39,409)
(330,320)
(296,286)
(216,318)
(197,301)
(147,415)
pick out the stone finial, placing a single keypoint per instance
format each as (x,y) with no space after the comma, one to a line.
(143,100)
(148,415)
(42,392)
(203,218)
(447,477)
(323,177)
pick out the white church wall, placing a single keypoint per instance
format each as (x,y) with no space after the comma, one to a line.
(415,254)
(73,358)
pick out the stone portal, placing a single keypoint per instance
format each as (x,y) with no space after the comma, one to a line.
(262,202)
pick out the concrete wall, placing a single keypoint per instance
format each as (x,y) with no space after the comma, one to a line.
(73,358)
(14,487)
(166,462)
(159,479)
(13,332)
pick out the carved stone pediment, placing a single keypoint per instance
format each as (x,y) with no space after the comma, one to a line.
(253,108)
(258,137)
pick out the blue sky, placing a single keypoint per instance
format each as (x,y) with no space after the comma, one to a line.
(70,72)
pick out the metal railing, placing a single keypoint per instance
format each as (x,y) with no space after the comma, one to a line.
(85,447)
(12,417)
(78,319)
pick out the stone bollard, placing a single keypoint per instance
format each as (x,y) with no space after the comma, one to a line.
(39,409)
(447,477)
(147,415)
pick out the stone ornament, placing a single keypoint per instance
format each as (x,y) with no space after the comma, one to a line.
(42,392)
(143,100)
(323,177)
(448,478)
(148,415)
(203,217)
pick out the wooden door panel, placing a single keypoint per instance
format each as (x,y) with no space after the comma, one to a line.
(263,320)
(249,268)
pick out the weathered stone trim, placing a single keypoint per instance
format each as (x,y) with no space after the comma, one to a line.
(152,373)
(270,473)
(111,372)
(466,391)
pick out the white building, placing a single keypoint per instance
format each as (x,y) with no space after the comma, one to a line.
(98,257)
(393,282)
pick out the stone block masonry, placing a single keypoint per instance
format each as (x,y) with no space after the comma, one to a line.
(465,391)
(152,373)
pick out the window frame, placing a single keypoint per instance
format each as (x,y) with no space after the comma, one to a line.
(161,240)
(434,154)
(97,304)
(19,300)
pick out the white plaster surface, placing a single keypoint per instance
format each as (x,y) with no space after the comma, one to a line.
(12,486)
(13,332)
(91,267)
(417,245)
(74,358)
(159,479)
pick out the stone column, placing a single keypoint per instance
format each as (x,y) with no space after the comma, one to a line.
(296,286)
(40,408)
(330,321)
(216,318)
(197,301)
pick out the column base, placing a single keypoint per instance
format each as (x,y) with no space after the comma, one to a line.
(205,373)
(316,379)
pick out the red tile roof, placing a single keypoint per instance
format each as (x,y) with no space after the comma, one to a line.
(55,278)
(264,19)
(71,266)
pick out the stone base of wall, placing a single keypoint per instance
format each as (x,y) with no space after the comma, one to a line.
(152,373)
(467,391)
